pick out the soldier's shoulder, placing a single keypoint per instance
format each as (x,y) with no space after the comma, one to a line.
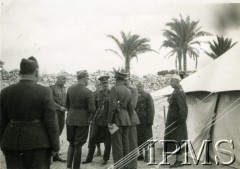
(10,87)
(88,90)
(42,87)
(180,90)
(146,94)
(72,86)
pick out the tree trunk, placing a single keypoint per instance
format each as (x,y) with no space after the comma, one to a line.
(196,63)
(127,65)
(185,61)
(176,62)
(179,61)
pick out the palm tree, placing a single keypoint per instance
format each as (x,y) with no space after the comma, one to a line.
(182,39)
(130,47)
(220,46)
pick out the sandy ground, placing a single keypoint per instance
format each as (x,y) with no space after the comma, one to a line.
(158,131)
(97,160)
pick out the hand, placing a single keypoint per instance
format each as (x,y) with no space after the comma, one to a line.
(63,108)
(110,126)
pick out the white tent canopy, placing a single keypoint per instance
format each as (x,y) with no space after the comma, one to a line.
(223,74)
(212,116)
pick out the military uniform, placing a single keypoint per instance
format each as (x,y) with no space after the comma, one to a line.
(145,111)
(59,96)
(132,134)
(28,124)
(120,110)
(177,115)
(80,105)
(99,130)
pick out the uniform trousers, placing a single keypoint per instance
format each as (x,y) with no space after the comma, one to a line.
(120,146)
(99,134)
(28,159)
(133,145)
(77,137)
(61,120)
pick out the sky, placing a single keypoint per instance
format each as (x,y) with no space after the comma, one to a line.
(71,35)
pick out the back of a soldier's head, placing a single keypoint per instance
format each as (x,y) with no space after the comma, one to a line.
(28,66)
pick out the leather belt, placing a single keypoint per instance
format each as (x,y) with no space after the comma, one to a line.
(24,121)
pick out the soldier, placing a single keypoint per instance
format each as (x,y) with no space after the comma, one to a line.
(120,110)
(145,111)
(59,96)
(80,105)
(99,130)
(132,134)
(176,119)
(29,131)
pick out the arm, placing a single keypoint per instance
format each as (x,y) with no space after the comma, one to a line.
(130,107)
(50,120)
(3,115)
(67,101)
(182,104)
(58,107)
(134,97)
(151,110)
(91,103)
(112,105)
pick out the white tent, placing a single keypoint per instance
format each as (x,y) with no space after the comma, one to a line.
(223,74)
(213,97)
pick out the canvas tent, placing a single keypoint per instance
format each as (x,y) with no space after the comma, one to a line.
(213,97)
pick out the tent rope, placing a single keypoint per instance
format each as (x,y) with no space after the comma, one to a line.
(210,125)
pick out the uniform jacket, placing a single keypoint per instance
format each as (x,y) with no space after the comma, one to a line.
(134,117)
(59,96)
(102,106)
(24,103)
(145,108)
(120,95)
(80,105)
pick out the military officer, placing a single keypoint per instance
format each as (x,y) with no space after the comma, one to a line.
(99,130)
(59,96)
(29,131)
(176,118)
(120,110)
(132,134)
(80,105)
(145,111)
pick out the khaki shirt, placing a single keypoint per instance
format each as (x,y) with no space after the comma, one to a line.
(59,96)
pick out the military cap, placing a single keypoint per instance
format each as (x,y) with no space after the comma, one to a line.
(104,79)
(120,74)
(175,76)
(28,65)
(82,74)
(62,74)
(140,84)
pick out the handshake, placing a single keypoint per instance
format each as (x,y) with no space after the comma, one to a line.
(63,108)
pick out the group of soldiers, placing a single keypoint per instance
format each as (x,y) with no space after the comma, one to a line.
(33,117)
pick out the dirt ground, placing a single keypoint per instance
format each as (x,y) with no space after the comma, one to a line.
(97,160)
